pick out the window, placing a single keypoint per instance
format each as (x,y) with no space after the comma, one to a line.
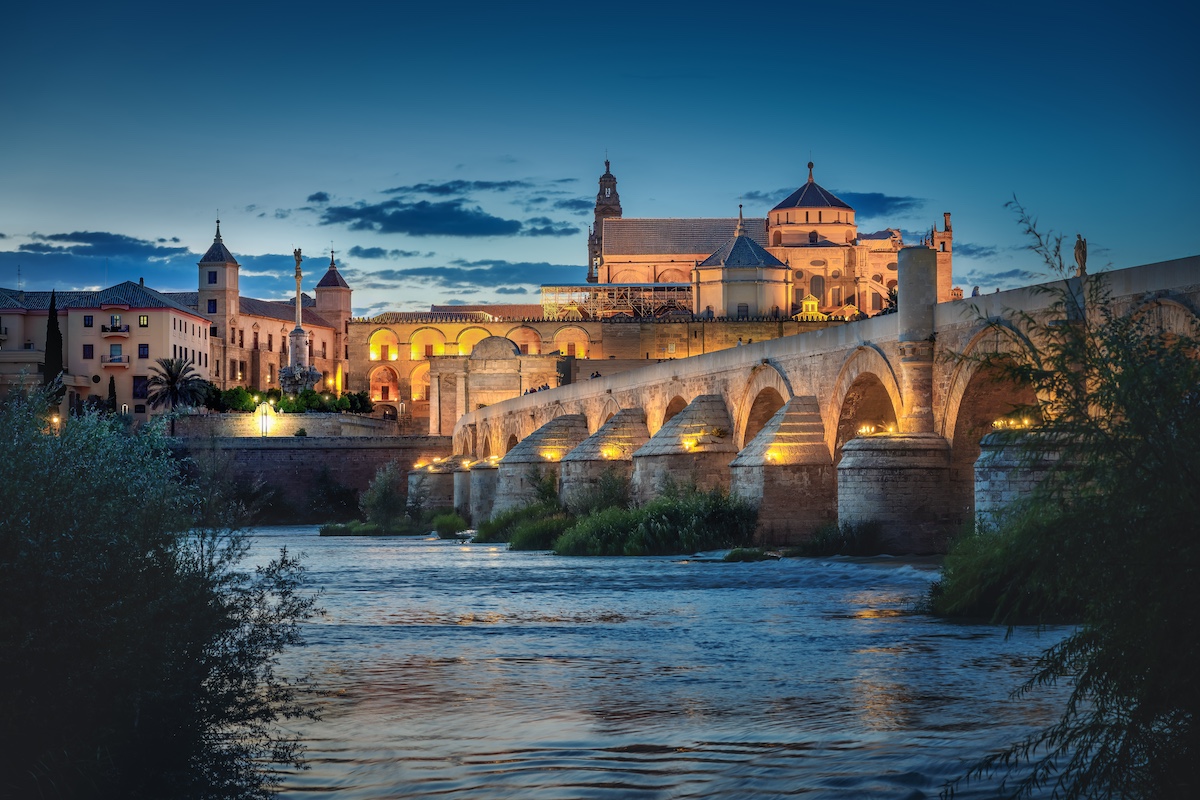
(743,311)
(143,320)
(233,368)
(323,350)
(570,348)
(241,369)
(217,369)
(270,373)
(87,320)
(270,342)
(812,237)
(524,349)
(383,392)
(143,352)
(212,276)
(87,351)
(115,320)
(242,338)
(140,408)
(141,387)
(428,350)
(114,353)
(212,306)
(255,343)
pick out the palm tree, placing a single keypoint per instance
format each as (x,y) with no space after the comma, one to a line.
(173,382)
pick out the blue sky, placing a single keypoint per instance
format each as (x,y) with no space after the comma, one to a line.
(451,154)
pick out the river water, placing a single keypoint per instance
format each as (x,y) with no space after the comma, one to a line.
(466,671)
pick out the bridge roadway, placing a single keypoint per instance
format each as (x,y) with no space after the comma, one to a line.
(874,421)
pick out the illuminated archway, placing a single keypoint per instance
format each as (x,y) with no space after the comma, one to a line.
(425,342)
(469,338)
(418,382)
(572,340)
(385,384)
(384,345)
(527,339)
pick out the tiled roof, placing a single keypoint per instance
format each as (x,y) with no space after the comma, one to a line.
(683,236)
(131,294)
(283,311)
(811,195)
(332,278)
(741,251)
(504,310)
(218,253)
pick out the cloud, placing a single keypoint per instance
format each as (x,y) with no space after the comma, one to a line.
(382,252)
(875,204)
(575,205)
(318,197)
(544,226)
(770,198)
(458,187)
(423,218)
(3,236)
(511,290)
(99,244)
(968,250)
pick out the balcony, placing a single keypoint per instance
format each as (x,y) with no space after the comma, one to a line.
(3,334)
(115,361)
(115,331)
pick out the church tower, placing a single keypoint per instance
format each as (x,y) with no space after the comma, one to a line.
(608,204)
(218,289)
(943,243)
(333,303)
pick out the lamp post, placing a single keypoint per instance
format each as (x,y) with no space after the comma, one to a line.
(262,419)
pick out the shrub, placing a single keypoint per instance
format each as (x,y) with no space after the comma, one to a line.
(683,520)
(1108,539)
(447,525)
(539,533)
(500,527)
(750,554)
(138,660)
(610,491)
(301,432)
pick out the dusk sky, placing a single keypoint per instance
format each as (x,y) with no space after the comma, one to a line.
(451,153)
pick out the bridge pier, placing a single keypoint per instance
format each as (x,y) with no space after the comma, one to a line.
(543,451)
(1009,469)
(432,485)
(899,482)
(481,489)
(462,489)
(786,470)
(610,448)
(696,446)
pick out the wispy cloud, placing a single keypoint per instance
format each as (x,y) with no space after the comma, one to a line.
(869,205)
(318,197)
(458,187)
(544,226)
(383,252)
(462,275)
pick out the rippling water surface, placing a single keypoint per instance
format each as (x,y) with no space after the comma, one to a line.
(466,671)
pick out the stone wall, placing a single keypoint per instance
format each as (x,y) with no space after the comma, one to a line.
(295,466)
(245,425)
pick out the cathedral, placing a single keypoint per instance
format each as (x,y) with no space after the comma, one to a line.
(806,247)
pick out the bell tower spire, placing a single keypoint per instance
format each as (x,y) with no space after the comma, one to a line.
(608,205)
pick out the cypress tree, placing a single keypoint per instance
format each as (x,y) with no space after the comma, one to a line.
(112,395)
(54,345)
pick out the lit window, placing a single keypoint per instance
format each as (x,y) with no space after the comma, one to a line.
(143,320)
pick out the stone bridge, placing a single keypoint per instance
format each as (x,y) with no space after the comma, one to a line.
(874,421)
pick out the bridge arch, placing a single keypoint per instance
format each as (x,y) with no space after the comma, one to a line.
(510,443)
(676,404)
(608,409)
(766,393)
(866,392)
(1169,317)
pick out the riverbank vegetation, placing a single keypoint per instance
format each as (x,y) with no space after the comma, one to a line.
(138,659)
(1109,540)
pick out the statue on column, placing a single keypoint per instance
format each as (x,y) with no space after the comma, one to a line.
(1081,254)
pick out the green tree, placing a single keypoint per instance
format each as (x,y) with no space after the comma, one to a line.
(1110,537)
(174,382)
(137,659)
(54,349)
(111,404)
(384,500)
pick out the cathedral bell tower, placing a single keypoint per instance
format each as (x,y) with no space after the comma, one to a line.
(608,204)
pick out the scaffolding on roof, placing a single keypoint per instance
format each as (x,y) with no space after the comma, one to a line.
(601,301)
